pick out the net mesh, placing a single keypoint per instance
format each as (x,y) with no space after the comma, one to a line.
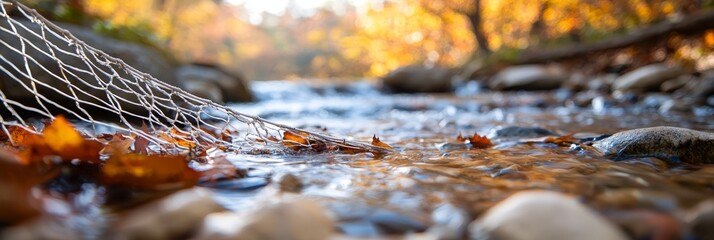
(64,75)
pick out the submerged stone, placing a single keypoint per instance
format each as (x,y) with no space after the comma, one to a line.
(667,143)
(520,132)
(542,215)
(301,219)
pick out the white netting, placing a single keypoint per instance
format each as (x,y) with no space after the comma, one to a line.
(40,59)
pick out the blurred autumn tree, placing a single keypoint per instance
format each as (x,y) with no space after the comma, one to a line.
(369,38)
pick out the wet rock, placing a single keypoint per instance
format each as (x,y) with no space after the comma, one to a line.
(168,218)
(46,228)
(701,220)
(299,220)
(647,78)
(704,88)
(646,224)
(414,79)
(637,198)
(519,132)
(542,215)
(212,82)
(676,105)
(290,183)
(241,184)
(529,77)
(666,143)
(677,83)
(390,222)
(655,100)
(449,221)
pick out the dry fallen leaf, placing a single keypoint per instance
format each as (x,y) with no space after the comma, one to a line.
(178,137)
(562,140)
(478,141)
(23,137)
(378,143)
(61,137)
(17,178)
(148,171)
(295,141)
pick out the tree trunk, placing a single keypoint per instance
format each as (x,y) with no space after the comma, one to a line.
(693,24)
(477,28)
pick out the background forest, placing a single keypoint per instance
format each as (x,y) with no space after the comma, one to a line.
(357,39)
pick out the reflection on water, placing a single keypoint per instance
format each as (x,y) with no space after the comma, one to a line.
(400,192)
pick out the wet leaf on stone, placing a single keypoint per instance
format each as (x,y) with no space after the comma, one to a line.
(562,140)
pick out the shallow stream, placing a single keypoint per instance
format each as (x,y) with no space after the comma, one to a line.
(433,178)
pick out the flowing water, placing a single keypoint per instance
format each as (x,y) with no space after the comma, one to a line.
(433,178)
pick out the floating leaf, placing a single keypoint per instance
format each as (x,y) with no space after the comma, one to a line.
(23,137)
(378,143)
(461,138)
(148,171)
(478,141)
(562,140)
(295,141)
(61,137)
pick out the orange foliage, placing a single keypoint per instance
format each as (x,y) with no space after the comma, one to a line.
(148,171)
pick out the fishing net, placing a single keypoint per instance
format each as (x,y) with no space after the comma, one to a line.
(65,76)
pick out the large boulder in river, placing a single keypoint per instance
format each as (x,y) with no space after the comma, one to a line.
(542,215)
(529,77)
(667,143)
(416,79)
(45,69)
(214,83)
(647,78)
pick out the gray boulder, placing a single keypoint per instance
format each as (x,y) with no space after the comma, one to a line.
(536,215)
(48,73)
(212,82)
(529,77)
(415,79)
(667,143)
(647,78)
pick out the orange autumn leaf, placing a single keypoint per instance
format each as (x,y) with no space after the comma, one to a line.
(17,179)
(118,144)
(562,140)
(461,138)
(295,141)
(478,141)
(148,171)
(177,137)
(66,142)
(378,143)
(23,137)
